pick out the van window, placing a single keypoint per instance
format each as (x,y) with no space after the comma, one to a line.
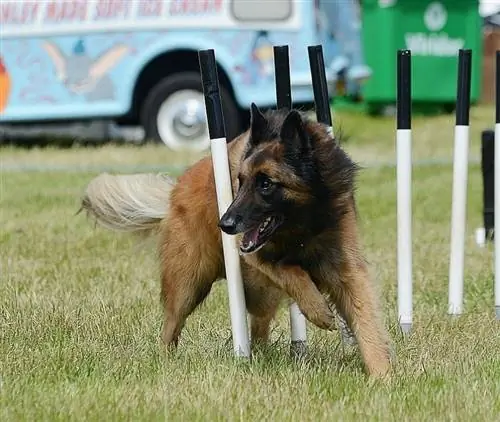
(261,10)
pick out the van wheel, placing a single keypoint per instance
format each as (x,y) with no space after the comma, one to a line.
(174,113)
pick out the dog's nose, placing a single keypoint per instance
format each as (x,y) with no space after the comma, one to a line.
(229,223)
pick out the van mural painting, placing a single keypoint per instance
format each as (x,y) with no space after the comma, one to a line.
(4,86)
(83,75)
(262,57)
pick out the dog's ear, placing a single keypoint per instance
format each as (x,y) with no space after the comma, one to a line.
(293,133)
(259,126)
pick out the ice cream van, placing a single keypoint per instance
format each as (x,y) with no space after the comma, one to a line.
(135,62)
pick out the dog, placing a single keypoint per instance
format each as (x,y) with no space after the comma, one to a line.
(295,219)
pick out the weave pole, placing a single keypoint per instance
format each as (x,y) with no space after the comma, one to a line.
(486,233)
(320,85)
(496,194)
(404,191)
(223,185)
(324,115)
(459,194)
(298,328)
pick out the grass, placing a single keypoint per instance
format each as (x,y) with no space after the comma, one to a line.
(80,313)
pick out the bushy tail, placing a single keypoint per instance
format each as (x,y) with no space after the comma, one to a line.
(128,203)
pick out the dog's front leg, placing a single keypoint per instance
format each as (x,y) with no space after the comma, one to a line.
(298,285)
(357,302)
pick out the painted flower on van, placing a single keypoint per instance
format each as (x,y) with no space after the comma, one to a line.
(84,75)
(4,86)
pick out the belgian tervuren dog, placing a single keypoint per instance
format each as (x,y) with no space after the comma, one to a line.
(295,217)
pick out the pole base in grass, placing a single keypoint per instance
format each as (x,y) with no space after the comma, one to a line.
(497,312)
(346,333)
(298,349)
(480,235)
(406,328)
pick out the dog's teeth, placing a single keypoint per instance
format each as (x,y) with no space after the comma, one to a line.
(264,224)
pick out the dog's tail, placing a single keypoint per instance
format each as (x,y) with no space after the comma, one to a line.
(128,203)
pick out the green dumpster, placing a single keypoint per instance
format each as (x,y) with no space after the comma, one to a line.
(434,31)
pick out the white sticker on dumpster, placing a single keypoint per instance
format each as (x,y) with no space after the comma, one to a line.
(435,43)
(435,16)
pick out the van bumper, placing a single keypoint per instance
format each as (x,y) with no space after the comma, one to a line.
(304,81)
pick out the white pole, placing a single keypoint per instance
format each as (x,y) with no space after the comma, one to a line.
(324,116)
(458,220)
(496,180)
(497,218)
(404,212)
(459,193)
(224,191)
(404,190)
(237,306)
(298,330)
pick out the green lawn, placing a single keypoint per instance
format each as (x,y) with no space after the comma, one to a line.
(80,314)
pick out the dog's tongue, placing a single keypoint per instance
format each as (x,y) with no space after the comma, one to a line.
(250,237)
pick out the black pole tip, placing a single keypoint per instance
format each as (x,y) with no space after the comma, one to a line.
(463,87)
(210,84)
(208,69)
(497,87)
(282,77)
(320,84)
(403,101)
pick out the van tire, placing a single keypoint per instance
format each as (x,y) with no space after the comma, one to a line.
(178,83)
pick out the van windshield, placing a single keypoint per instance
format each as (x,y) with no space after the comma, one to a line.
(261,10)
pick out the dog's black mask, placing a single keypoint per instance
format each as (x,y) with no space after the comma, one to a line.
(266,183)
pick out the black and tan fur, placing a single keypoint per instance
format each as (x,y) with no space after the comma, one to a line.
(286,169)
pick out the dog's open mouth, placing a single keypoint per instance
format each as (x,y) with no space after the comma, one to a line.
(255,238)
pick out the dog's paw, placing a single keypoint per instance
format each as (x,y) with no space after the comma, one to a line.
(324,318)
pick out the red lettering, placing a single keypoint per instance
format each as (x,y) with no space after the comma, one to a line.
(16,13)
(150,8)
(215,5)
(176,6)
(6,12)
(195,7)
(71,11)
(50,11)
(111,9)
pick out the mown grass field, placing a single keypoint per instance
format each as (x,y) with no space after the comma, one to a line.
(80,314)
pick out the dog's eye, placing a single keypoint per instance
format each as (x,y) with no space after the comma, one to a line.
(264,183)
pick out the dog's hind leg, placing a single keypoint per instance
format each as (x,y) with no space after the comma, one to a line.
(185,284)
(179,302)
(181,297)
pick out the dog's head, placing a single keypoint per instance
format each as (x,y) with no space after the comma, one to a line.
(277,179)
